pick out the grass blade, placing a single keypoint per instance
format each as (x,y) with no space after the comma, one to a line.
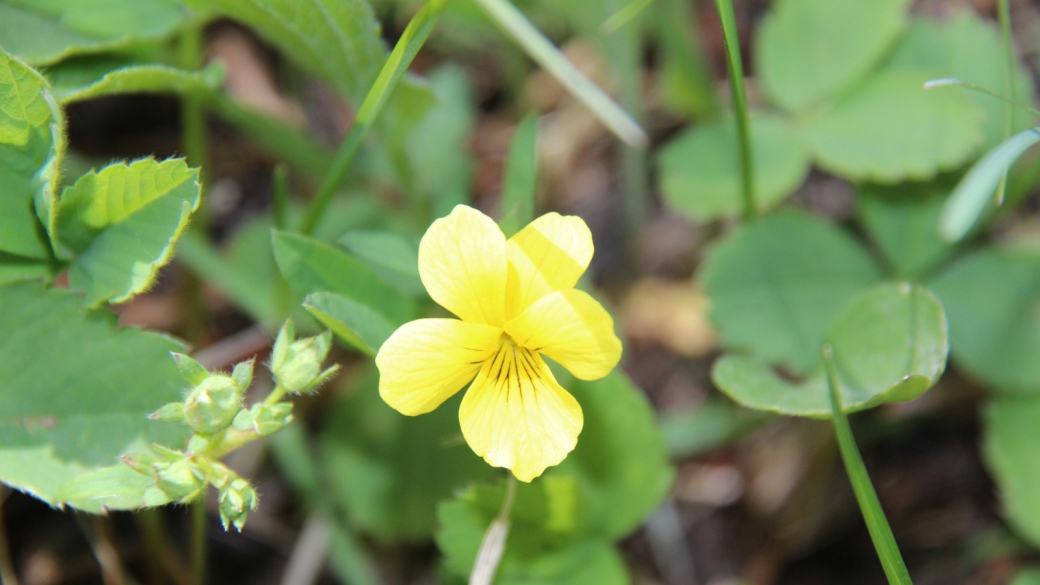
(521,177)
(971,195)
(548,56)
(866,497)
(624,16)
(413,38)
(740,108)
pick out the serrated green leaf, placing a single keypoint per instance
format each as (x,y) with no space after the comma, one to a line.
(45,31)
(992,299)
(20,268)
(969,199)
(1011,447)
(889,345)
(777,284)
(139,79)
(521,178)
(389,471)
(337,40)
(75,391)
(700,170)
(968,47)
(809,50)
(891,129)
(112,488)
(121,223)
(311,266)
(903,221)
(359,325)
(392,256)
(31,143)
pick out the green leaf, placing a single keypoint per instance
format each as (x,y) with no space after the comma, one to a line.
(889,345)
(891,129)
(121,223)
(976,189)
(1027,576)
(903,221)
(968,47)
(141,79)
(46,31)
(809,50)
(1012,452)
(31,144)
(389,471)
(359,325)
(521,178)
(337,40)
(777,284)
(112,488)
(991,299)
(311,266)
(392,256)
(19,268)
(75,391)
(697,431)
(700,170)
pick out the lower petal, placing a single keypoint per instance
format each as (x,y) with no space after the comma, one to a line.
(425,362)
(515,415)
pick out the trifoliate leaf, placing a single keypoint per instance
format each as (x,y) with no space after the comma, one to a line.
(903,221)
(701,173)
(809,50)
(75,391)
(120,225)
(392,256)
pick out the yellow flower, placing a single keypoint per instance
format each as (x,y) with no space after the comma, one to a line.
(516,301)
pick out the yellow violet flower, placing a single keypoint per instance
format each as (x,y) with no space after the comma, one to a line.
(516,302)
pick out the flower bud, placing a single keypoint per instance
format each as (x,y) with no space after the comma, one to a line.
(296,364)
(264,419)
(237,498)
(181,480)
(213,404)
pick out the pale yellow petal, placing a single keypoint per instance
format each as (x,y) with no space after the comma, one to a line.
(572,328)
(426,361)
(515,415)
(548,255)
(462,262)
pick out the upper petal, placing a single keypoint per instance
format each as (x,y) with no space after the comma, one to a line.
(550,254)
(426,361)
(515,415)
(462,263)
(572,328)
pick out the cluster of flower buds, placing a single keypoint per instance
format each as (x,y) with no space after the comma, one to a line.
(213,409)
(296,363)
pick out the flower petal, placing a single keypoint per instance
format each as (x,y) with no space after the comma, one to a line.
(462,263)
(426,361)
(515,415)
(573,329)
(550,254)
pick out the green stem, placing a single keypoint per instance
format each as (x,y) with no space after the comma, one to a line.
(150,522)
(198,540)
(740,106)
(624,16)
(415,35)
(7,572)
(944,81)
(548,56)
(1004,11)
(275,395)
(493,545)
(280,190)
(866,497)
(193,115)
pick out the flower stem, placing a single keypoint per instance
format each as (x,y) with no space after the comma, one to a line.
(275,395)
(740,107)
(198,540)
(280,191)
(494,543)
(866,497)
(415,35)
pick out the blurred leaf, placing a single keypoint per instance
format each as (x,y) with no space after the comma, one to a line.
(112,488)
(311,266)
(977,188)
(967,47)
(685,81)
(359,325)
(139,79)
(809,50)
(75,391)
(43,32)
(120,223)
(903,221)
(1027,576)
(392,256)
(337,40)
(521,178)
(31,144)
(890,345)
(777,284)
(692,432)
(389,471)
(891,129)
(700,170)
(19,268)
(992,298)
(1012,453)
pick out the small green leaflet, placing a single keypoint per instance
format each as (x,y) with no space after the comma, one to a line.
(1012,452)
